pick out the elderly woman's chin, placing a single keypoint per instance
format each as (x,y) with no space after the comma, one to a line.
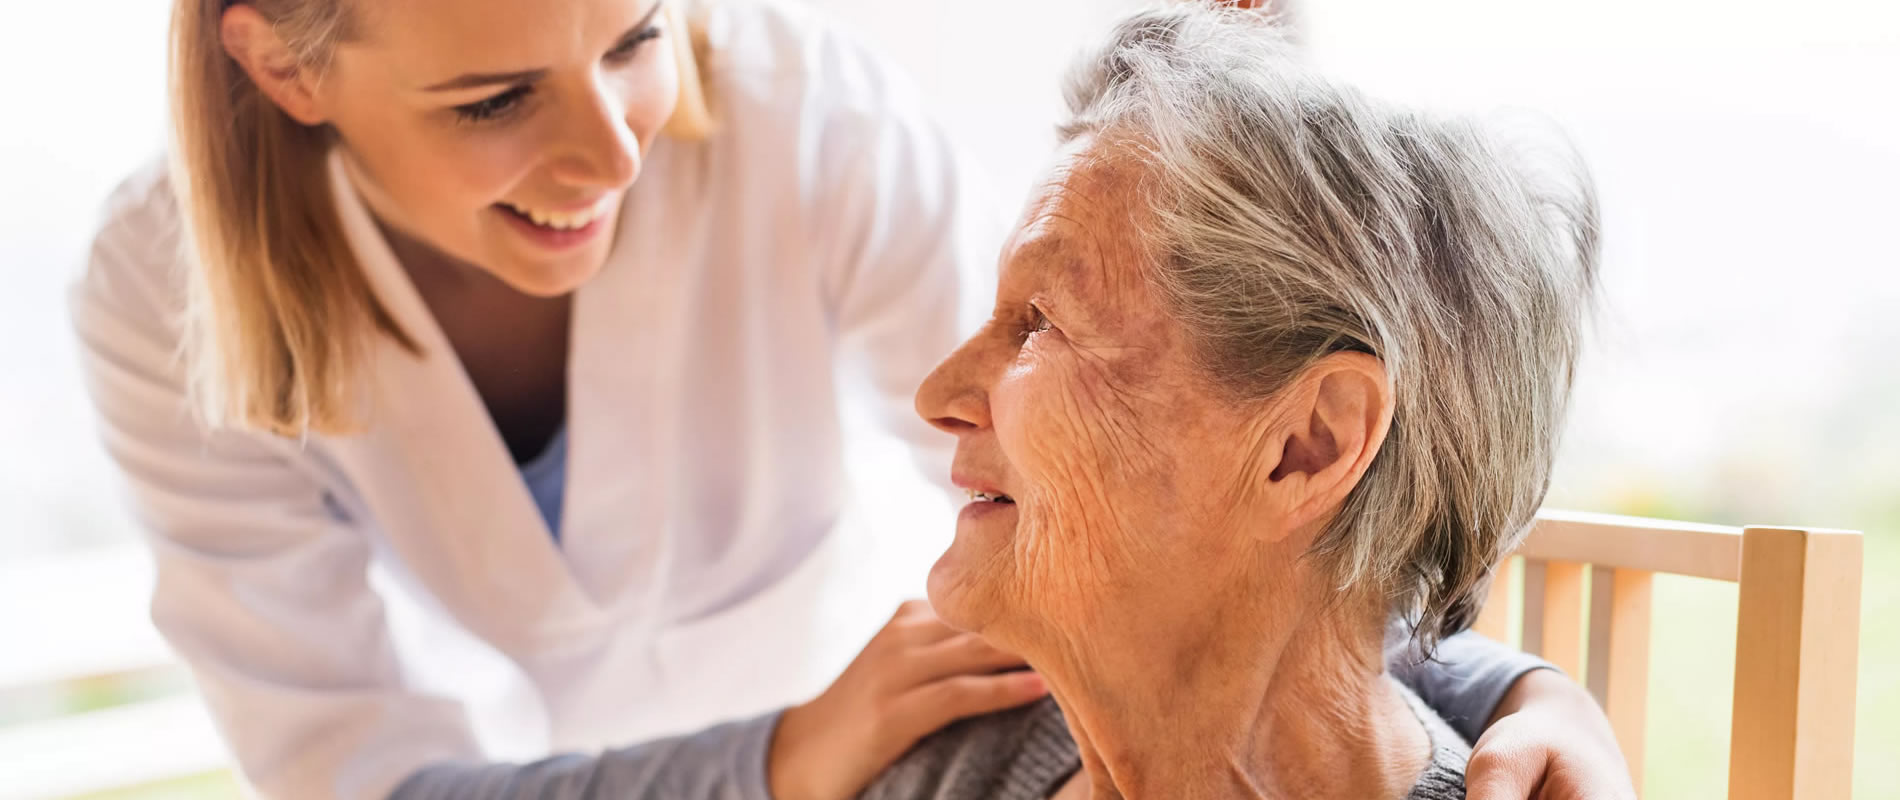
(965,584)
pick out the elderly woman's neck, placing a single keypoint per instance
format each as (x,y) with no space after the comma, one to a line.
(1297,706)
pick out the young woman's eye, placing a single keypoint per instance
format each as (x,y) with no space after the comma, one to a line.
(631,45)
(494,107)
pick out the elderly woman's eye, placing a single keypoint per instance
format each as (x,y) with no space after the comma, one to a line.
(1037,321)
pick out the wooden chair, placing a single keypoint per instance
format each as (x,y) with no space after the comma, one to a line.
(1797,634)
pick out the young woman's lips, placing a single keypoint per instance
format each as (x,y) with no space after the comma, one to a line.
(553,238)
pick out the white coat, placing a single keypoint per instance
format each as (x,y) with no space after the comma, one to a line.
(826,222)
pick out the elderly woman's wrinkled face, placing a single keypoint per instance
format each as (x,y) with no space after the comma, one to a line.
(1107,468)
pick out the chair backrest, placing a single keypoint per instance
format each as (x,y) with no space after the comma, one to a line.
(1797,634)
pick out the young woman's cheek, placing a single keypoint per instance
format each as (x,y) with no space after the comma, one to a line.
(493,162)
(649,89)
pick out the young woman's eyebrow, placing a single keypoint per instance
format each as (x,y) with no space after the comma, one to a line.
(641,26)
(474,80)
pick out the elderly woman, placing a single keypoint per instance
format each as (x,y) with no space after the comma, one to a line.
(1270,365)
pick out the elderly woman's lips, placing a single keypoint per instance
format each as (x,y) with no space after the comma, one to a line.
(983,509)
(989,497)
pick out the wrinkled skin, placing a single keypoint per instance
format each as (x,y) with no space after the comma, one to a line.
(1098,426)
(1152,560)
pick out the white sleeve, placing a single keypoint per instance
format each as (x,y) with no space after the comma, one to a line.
(260,589)
(912,237)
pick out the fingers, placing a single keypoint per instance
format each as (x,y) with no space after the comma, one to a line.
(962,654)
(915,676)
(1502,773)
(936,704)
(915,625)
(910,608)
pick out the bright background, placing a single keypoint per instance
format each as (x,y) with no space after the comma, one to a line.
(1743,370)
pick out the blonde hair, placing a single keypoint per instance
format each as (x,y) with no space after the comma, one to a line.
(281,316)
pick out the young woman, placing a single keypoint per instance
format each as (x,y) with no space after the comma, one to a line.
(538,307)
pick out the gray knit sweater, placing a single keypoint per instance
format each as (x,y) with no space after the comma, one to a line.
(727,762)
(1027,754)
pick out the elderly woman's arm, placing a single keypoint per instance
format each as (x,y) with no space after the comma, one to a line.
(1532,726)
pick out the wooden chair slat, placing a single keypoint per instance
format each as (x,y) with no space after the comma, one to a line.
(1683,548)
(1796,653)
(1531,631)
(1494,621)
(1619,655)
(1562,631)
(1798,633)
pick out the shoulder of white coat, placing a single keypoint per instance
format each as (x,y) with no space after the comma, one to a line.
(776,68)
(134,271)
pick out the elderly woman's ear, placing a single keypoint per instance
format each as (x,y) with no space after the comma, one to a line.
(1319,437)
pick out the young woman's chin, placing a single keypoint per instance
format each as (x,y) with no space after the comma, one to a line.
(542,272)
(550,279)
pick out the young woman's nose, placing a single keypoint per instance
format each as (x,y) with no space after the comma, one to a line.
(954,397)
(600,148)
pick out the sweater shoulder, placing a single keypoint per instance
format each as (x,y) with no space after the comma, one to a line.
(1444,777)
(1020,754)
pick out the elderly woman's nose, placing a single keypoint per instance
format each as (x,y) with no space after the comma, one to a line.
(952,398)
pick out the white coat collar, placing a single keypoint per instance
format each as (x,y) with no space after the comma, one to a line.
(434,471)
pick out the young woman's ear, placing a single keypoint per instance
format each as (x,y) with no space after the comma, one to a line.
(253,43)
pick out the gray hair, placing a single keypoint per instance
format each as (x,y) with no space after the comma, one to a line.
(1293,217)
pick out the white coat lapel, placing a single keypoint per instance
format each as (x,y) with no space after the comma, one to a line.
(622,396)
(435,473)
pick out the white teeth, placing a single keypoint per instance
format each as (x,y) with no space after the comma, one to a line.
(562,221)
(988,498)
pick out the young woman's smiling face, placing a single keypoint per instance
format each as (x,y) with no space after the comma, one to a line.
(502,134)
